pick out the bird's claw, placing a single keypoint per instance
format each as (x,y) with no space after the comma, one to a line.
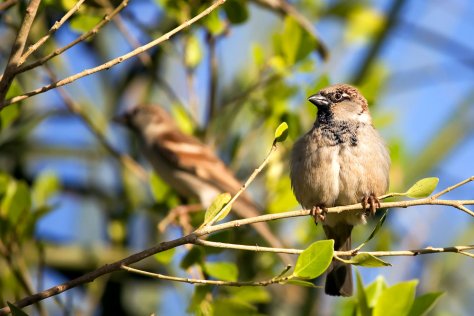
(373,203)
(319,214)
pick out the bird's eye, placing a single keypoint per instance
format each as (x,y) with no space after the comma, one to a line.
(337,96)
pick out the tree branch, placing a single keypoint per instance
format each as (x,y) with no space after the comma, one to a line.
(17,48)
(51,31)
(114,61)
(81,38)
(428,250)
(208,282)
(206,230)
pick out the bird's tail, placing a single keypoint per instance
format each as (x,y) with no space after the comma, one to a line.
(339,274)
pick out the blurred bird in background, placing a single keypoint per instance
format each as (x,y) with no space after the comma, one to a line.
(342,160)
(189,166)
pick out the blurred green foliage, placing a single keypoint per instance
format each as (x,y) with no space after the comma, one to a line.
(282,67)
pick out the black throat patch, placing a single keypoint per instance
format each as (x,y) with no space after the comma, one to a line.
(337,132)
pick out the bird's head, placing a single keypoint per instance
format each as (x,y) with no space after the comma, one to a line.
(341,102)
(141,117)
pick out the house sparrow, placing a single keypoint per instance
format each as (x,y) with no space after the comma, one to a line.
(342,160)
(189,166)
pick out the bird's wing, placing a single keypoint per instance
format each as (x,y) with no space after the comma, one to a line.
(189,154)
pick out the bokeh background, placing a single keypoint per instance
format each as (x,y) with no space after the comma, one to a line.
(230,79)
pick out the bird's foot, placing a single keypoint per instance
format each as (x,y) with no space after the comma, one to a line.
(319,214)
(372,201)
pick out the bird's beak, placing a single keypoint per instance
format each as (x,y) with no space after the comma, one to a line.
(123,119)
(319,100)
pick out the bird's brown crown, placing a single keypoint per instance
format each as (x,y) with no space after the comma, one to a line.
(347,89)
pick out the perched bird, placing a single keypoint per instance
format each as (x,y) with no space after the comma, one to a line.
(342,160)
(187,165)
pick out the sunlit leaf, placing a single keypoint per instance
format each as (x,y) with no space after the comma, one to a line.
(45,186)
(183,119)
(16,201)
(281,133)
(363,22)
(84,22)
(236,11)
(374,290)
(299,283)
(193,52)
(214,23)
(4,179)
(362,302)
(314,260)
(396,300)
(251,294)
(217,205)
(424,303)
(194,256)
(258,55)
(165,257)
(226,271)
(367,260)
(16,311)
(423,188)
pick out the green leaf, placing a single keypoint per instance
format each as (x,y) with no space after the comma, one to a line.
(84,22)
(396,300)
(376,229)
(193,52)
(250,294)
(281,133)
(16,311)
(363,22)
(16,201)
(367,260)
(4,179)
(195,255)
(314,260)
(233,307)
(159,188)
(8,115)
(423,188)
(46,184)
(300,283)
(295,42)
(183,119)
(200,301)
(226,271)
(236,11)
(424,303)
(217,205)
(374,290)
(362,297)
(258,55)
(214,23)
(165,257)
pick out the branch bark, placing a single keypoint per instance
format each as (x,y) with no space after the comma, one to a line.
(112,62)
(18,47)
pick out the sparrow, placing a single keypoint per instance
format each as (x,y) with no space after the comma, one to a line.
(190,167)
(341,160)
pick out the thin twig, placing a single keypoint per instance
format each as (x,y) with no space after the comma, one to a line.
(191,239)
(51,31)
(209,282)
(126,161)
(17,48)
(255,248)
(449,189)
(7,4)
(414,252)
(244,186)
(114,61)
(83,37)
